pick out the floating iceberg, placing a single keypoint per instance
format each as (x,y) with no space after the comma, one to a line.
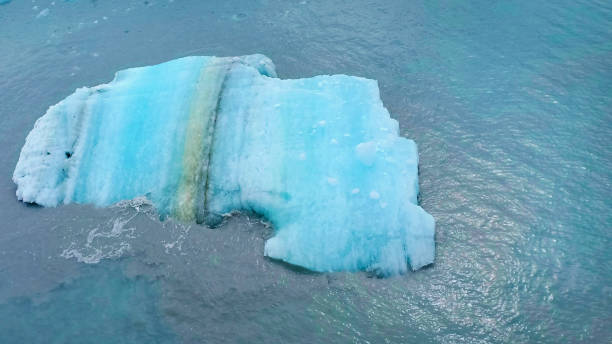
(201,137)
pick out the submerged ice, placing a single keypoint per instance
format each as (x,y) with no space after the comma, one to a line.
(201,137)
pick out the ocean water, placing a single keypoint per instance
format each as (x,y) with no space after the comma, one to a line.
(510,104)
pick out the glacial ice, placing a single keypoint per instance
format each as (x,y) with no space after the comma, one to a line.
(201,137)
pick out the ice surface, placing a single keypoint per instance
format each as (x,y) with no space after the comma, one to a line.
(200,137)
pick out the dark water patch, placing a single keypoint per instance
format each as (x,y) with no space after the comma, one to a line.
(101,305)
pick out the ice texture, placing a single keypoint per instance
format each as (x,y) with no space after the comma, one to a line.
(320,158)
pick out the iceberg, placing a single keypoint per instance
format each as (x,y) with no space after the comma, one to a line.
(201,137)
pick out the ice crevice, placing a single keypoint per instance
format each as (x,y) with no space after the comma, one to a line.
(320,158)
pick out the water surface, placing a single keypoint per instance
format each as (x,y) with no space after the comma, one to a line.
(510,104)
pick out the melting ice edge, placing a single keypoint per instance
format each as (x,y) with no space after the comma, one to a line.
(203,136)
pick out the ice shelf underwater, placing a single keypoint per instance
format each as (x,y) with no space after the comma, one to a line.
(320,158)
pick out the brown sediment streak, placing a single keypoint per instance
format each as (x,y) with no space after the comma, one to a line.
(191,192)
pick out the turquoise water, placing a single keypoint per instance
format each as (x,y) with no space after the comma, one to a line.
(509,103)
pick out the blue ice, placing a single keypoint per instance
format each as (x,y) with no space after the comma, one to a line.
(201,137)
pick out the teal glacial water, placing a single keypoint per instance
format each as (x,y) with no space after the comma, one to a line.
(510,104)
